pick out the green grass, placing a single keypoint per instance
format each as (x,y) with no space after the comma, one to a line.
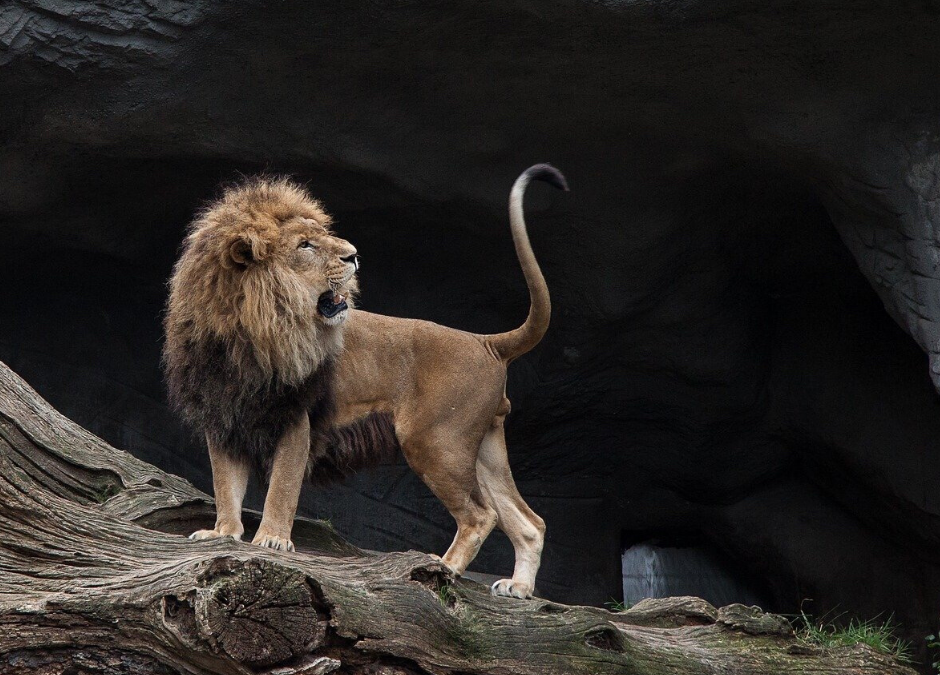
(446,596)
(616,605)
(933,644)
(829,633)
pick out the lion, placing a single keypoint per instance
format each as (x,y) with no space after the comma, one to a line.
(268,356)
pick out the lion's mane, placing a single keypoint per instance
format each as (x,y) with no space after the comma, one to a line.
(244,353)
(263,315)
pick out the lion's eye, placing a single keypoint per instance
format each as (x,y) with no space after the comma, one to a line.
(306,244)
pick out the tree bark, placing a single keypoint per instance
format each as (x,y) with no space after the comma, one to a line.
(95,578)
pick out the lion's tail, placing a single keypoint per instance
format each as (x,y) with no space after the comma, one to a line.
(340,452)
(515,343)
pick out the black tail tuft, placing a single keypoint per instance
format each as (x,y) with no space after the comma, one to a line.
(548,174)
(367,442)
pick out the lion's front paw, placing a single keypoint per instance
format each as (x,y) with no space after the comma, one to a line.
(212,534)
(268,540)
(511,589)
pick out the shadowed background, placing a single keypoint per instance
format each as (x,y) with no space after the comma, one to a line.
(745,274)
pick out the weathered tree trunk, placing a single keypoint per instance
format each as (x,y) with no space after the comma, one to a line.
(94,578)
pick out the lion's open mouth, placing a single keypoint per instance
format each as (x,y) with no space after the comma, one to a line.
(330,304)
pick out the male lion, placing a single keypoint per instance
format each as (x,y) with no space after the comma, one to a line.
(267,355)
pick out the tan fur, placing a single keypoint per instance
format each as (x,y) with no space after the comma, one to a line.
(446,392)
(444,388)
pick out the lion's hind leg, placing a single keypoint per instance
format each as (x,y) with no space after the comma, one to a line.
(524,528)
(448,467)
(229,482)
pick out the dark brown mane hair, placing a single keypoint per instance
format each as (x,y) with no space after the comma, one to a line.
(345,450)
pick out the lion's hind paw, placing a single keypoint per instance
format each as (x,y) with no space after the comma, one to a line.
(199,535)
(511,589)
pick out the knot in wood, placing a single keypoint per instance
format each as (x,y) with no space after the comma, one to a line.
(257,612)
(754,621)
(607,638)
(671,612)
(434,575)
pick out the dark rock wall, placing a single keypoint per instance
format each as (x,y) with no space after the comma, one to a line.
(745,275)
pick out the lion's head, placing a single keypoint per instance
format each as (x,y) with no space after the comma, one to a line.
(262,272)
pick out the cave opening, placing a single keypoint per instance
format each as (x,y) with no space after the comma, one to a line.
(661,565)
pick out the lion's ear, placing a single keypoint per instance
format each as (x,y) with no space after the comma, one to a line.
(240,251)
(245,250)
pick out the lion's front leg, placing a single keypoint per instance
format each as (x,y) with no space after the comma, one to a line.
(229,482)
(287,477)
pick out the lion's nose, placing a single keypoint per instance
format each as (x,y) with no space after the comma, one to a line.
(351,258)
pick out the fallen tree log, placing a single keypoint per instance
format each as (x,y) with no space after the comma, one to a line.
(95,578)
